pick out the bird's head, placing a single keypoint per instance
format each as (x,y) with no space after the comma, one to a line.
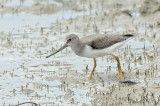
(70,40)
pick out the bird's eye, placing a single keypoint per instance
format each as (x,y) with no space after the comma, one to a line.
(69,39)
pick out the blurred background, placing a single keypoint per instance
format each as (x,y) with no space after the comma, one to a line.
(32,29)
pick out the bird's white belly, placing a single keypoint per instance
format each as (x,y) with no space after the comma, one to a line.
(94,53)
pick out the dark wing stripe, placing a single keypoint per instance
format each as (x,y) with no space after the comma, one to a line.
(128,35)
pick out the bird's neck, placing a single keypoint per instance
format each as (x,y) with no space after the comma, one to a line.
(78,47)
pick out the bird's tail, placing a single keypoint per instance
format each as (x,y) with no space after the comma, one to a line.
(128,37)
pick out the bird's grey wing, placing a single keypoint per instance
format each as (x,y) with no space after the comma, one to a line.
(106,41)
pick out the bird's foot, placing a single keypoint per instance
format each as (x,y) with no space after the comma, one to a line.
(89,78)
(120,75)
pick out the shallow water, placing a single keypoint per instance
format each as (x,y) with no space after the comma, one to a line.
(28,37)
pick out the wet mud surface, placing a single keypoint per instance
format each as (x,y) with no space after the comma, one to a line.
(32,29)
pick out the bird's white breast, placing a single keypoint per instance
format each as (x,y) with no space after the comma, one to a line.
(93,53)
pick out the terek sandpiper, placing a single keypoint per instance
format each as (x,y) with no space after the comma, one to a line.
(95,46)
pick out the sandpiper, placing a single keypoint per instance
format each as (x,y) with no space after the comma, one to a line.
(94,46)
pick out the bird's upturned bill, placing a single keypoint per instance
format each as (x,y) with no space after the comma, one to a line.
(63,47)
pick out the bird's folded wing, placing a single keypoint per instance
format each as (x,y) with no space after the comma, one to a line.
(104,41)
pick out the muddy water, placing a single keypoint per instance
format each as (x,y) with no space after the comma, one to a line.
(32,29)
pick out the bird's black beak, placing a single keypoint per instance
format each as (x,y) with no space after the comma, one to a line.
(63,47)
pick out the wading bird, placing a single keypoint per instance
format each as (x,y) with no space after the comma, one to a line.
(95,46)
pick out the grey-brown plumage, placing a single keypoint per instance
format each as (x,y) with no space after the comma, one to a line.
(104,41)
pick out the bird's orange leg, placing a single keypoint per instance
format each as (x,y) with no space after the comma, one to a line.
(95,64)
(119,67)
